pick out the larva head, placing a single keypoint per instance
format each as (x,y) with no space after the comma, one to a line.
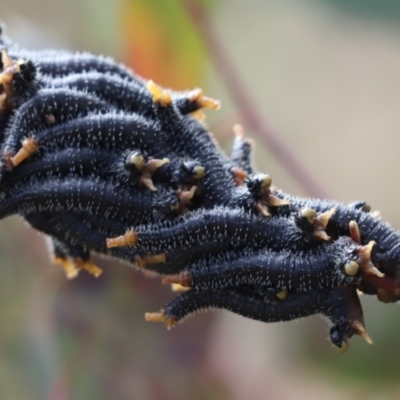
(351,268)
(130,165)
(348,251)
(258,185)
(25,75)
(191,170)
(338,334)
(165,204)
(135,160)
(346,314)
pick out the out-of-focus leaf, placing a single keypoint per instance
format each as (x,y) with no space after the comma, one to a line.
(160,43)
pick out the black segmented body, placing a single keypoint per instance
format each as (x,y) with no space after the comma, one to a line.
(66,162)
(338,305)
(292,270)
(62,104)
(231,227)
(102,161)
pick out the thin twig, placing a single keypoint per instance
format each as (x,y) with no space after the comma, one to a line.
(238,92)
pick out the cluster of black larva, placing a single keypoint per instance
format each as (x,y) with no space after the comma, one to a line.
(102,161)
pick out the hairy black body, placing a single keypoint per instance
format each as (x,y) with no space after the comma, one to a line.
(100,160)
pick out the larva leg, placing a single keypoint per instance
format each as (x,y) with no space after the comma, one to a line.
(72,257)
(80,231)
(60,256)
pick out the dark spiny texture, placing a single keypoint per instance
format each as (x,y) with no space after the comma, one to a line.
(102,161)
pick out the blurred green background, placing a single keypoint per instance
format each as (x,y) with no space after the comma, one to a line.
(325,75)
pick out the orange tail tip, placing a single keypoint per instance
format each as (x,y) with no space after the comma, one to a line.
(354,232)
(199,115)
(262,209)
(148,169)
(3,98)
(177,288)
(148,182)
(154,163)
(155,258)
(90,267)
(240,135)
(324,218)
(274,201)
(160,317)
(207,102)
(29,147)
(185,196)
(142,262)
(369,268)
(359,329)
(68,266)
(7,77)
(130,239)
(159,94)
(6,60)
(322,235)
(365,251)
(154,317)
(365,262)
(344,348)
(282,294)
(202,101)
(154,89)
(184,279)
(150,274)
(238,131)
(139,262)
(238,175)
(319,221)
